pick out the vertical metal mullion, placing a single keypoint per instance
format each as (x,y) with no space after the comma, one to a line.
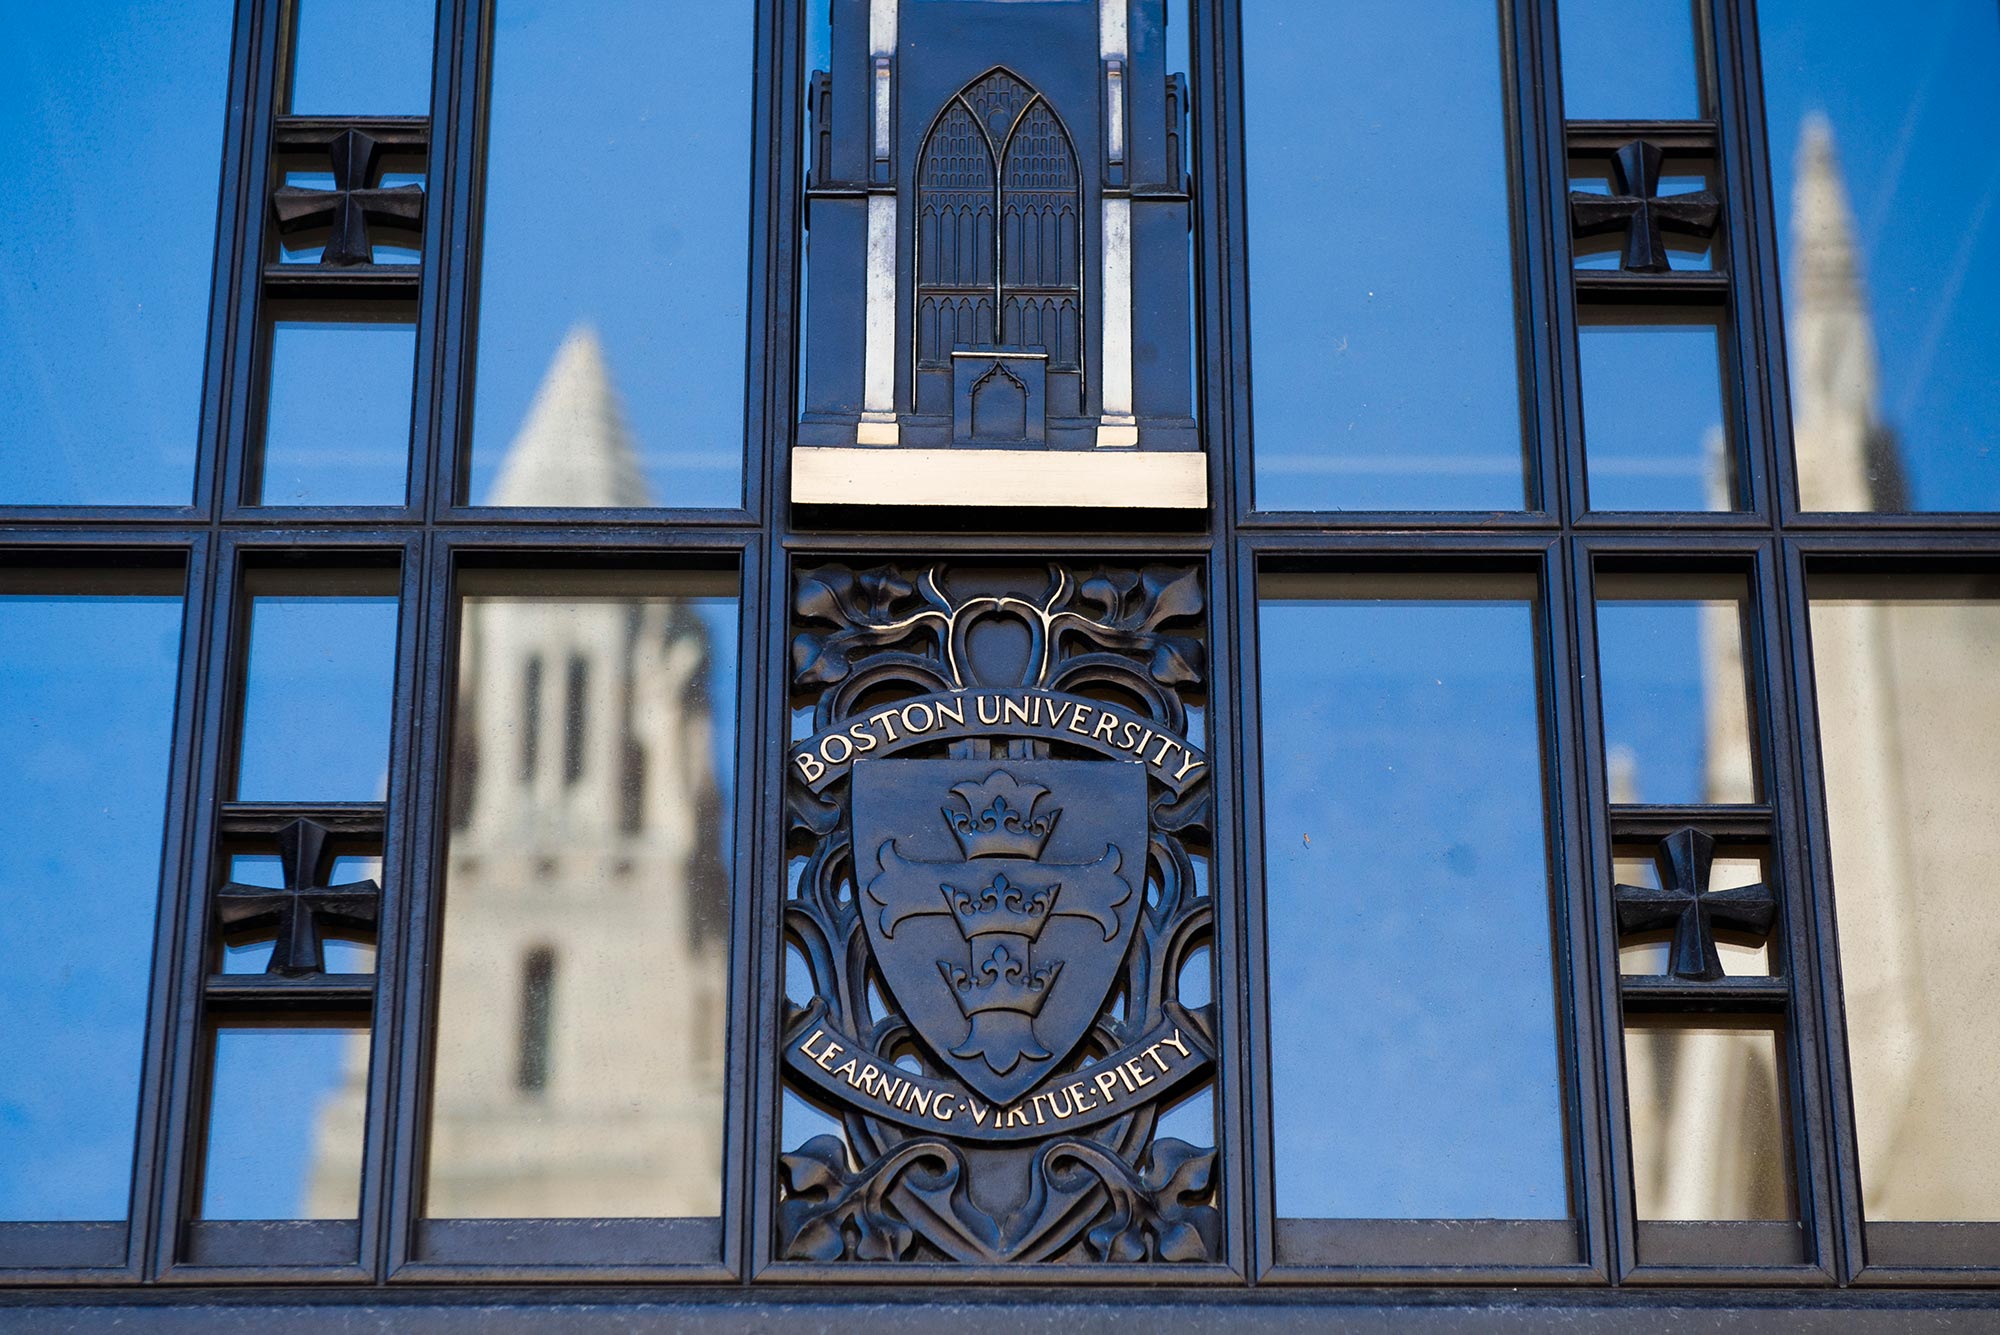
(173,1039)
(1751,408)
(458,134)
(220,684)
(177,888)
(1577,822)
(404,1030)
(1546,315)
(1593,1019)
(1601,980)
(1218,207)
(1822,1112)
(1813,904)
(755,1109)
(1779,759)
(399,1051)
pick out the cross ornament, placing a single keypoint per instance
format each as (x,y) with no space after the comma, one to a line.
(1685,903)
(351,205)
(1639,210)
(304,905)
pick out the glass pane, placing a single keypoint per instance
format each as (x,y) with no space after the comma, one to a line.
(1655,429)
(337,423)
(286,1106)
(1414,1040)
(361,57)
(317,694)
(1883,159)
(86,723)
(1632,60)
(1710,1134)
(1646,954)
(584,974)
(612,338)
(1909,717)
(110,158)
(1382,258)
(1675,695)
(1679,175)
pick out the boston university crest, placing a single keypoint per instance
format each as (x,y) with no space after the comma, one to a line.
(997,817)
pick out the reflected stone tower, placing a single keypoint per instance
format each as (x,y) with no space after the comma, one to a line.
(1911,873)
(583,977)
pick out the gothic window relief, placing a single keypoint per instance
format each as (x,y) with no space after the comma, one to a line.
(1000,158)
(999,1040)
(998,262)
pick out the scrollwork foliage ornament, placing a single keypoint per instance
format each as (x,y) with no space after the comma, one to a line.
(976,1176)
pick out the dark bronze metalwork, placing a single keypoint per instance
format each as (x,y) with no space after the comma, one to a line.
(390,1266)
(1683,903)
(1640,211)
(303,906)
(352,205)
(1024,905)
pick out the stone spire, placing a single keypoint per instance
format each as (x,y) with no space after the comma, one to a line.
(573,447)
(1846,459)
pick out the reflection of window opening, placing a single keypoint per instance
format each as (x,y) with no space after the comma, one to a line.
(573,720)
(999,228)
(531,725)
(538,975)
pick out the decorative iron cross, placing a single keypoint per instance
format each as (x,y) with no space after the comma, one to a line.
(1639,209)
(1685,903)
(351,205)
(304,905)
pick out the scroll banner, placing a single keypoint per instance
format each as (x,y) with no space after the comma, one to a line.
(842,1067)
(1052,715)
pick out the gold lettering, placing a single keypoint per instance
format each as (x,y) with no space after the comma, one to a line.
(885,719)
(930,719)
(1079,1093)
(920,1099)
(891,1090)
(1064,1113)
(979,703)
(1128,733)
(825,1059)
(806,1048)
(951,709)
(1017,1117)
(1193,762)
(1106,725)
(1137,1073)
(1036,1104)
(978,1111)
(939,1108)
(1140,749)
(1012,712)
(1107,1082)
(826,749)
(1153,1051)
(809,765)
(846,1071)
(859,732)
(1176,1044)
(1076,717)
(1130,1088)
(1165,743)
(868,1077)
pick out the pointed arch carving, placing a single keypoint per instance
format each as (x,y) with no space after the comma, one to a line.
(999,219)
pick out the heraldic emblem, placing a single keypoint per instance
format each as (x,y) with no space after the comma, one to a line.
(997,817)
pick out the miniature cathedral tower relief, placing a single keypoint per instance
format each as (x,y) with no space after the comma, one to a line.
(998,308)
